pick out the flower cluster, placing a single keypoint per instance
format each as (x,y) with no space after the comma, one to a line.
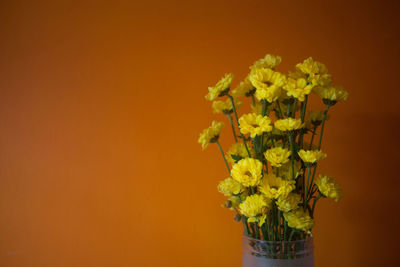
(272,164)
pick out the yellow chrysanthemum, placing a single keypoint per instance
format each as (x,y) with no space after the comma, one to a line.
(231,203)
(277,156)
(274,187)
(315,72)
(254,124)
(298,88)
(299,219)
(211,134)
(332,93)
(288,203)
(311,156)
(221,88)
(245,88)
(286,170)
(237,149)
(247,171)
(289,124)
(268,83)
(230,187)
(255,207)
(225,106)
(269,61)
(329,187)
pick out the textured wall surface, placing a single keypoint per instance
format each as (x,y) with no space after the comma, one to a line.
(101,104)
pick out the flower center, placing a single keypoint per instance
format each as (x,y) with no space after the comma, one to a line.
(247,173)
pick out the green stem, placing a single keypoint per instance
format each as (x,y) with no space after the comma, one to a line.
(312,136)
(233,127)
(322,126)
(313,206)
(237,121)
(252,99)
(291,234)
(292,154)
(294,108)
(223,156)
(306,187)
(302,116)
(288,110)
(279,109)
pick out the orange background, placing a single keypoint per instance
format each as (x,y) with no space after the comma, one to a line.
(102,102)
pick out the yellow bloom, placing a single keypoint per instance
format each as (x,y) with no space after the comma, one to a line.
(268,83)
(237,149)
(299,219)
(231,203)
(245,88)
(269,61)
(311,156)
(329,187)
(298,88)
(255,207)
(315,72)
(289,124)
(229,187)
(225,106)
(247,171)
(332,93)
(254,124)
(286,170)
(288,203)
(277,156)
(221,88)
(211,134)
(274,187)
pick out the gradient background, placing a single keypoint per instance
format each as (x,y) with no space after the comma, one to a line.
(102,102)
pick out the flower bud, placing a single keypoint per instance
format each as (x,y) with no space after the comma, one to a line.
(237,217)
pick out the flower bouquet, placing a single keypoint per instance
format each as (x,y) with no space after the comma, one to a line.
(272,185)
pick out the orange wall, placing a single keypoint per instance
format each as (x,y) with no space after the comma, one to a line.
(102,102)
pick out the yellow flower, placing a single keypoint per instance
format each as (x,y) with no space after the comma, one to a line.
(274,187)
(221,88)
(268,83)
(299,219)
(298,88)
(245,88)
(225,106)
(255,207)
(329,187)
(315,72)
(277,156)
(288,203)
(286,170)
(332,93)
(229,187)
(311,156)
(254,124)
(247,171)
(289,124)
(211,134)
(269,61)
(231,203)
(237,149)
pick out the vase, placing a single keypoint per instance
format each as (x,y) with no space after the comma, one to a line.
(261,253)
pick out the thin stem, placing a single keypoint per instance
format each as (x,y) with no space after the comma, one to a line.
(223,156)
(306,187)
(279,109)
(302,115)
(233,127)
(237,121)
(313,206)
(312,136)
(292,154)
(322,126)
(294,107)
(252,99)
(291,234)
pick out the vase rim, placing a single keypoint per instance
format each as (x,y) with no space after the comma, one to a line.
(308,239)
